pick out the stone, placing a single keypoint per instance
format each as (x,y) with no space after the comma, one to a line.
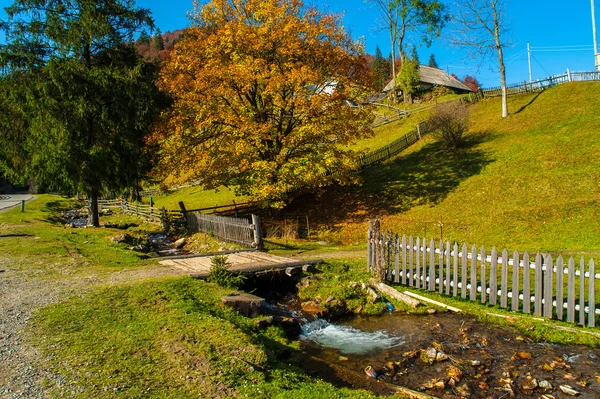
(247,304)
(120,238)
(569,390)
(313,308)
(454,373)
(522,356)
(545,386)
(179,243)
(140,248)
(463,391)
(431,353)
(475,363)
(441,356)
(431,311)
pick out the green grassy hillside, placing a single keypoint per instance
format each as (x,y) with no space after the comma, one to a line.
(528,182)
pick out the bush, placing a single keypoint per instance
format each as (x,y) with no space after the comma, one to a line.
(450,120)
(220,274)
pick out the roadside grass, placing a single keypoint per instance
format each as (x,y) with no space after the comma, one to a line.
(170,338)
(38,239)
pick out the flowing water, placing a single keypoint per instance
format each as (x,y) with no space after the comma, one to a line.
(492,362)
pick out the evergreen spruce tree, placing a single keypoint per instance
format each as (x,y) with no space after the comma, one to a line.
(380,70)
(432,63)
(414,55)
(158,43)
(81,98)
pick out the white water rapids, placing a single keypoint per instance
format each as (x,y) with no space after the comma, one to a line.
(347,340)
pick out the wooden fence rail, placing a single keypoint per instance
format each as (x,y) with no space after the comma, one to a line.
(141,210)
(239,230)
(542,84)
(395,147)
(539,284)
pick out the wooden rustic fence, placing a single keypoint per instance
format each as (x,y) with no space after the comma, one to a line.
(542,84)
(538,284)
(239,230)
(395,147)
(141,210)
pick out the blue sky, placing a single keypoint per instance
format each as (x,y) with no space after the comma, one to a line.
(560,35)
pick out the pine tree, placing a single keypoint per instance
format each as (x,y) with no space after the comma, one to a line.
(414,55)
(432,63)
(143,38)
(81,97)
(158,42)
(380,70)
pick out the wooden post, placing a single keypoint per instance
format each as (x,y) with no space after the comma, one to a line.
(582,292)
(448,267)
(441,268)
(548,297)
(463,272)
(592,297)
(571,291)
(22,206)
(537,309)
(258,242)
(494,277)
(483,276)
(403,259)
(455,271)
(418,264)
(504,288)
(559,287)
(397,259)
(370,247)
(411,275)
(419,130)
(182,207)
(432,265)
(526,284)
(515,282)
(473,292)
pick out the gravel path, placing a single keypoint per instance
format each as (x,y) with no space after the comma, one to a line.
(21,293)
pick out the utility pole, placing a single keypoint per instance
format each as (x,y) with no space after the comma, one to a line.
(596,55)
(529,59)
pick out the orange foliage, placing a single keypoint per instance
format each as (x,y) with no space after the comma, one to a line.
(260,91)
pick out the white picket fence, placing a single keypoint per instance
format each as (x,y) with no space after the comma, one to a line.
(552,287)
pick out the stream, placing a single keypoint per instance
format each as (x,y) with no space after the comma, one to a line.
(447,356)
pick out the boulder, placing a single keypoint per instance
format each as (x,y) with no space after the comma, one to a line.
(247,304)
(179,243)
(313,308)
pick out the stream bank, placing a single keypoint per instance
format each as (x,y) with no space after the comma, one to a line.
(448,356)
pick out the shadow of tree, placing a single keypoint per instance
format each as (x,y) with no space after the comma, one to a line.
(424,177)
(529,103)
(55,210)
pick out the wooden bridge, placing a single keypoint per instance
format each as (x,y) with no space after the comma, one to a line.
(246,262)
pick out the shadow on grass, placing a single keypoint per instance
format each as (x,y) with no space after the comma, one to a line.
(529,103)
(55,210)
(424,177)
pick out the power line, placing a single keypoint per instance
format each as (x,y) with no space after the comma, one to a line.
(573,45)
(541,66)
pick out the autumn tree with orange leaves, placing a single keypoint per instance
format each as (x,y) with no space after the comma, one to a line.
(263,96)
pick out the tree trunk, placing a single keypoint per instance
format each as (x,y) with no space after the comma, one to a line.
(501,64)
(93,214)
(503,84)
(393,96)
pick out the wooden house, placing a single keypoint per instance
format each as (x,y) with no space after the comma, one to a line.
(431,77)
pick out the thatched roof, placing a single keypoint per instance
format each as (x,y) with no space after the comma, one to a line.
(437,77)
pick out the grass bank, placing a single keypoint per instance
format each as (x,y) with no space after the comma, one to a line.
(527,182)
